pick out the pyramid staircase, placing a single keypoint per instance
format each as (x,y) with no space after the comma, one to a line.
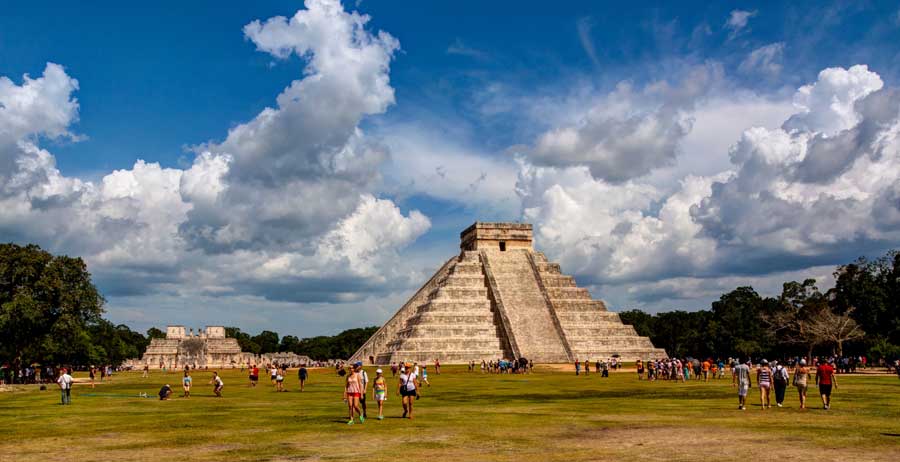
(500,299)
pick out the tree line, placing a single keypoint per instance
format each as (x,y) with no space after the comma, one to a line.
(860,315)
(51,313)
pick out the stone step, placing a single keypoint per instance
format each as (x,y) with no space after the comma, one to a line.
(612,343)
(464,318)
(558,280)
(475,281)
(549,268)
(446,343)
(587,317)
(470,256)
(446,356)
(429,330)
(590,332)
(577,293)
(627,355)
(456,293)
(563,305)
(473,269)
(455,305)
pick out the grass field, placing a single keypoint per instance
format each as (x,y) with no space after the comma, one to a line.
(548,415)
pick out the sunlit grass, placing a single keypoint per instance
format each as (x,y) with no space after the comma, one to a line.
(464,416)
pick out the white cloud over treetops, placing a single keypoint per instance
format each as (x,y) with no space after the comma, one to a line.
(820,189)
(284,208)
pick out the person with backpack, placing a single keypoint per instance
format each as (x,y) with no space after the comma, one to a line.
(781,379)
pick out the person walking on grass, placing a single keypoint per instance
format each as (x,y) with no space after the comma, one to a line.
(408,390)
(780,379)
(186,383)
(379,392)
(825,379)
(425,376)
(764,379)
(279,379)
(640,369)
(740,377)
(364,384)
(577,367)
(302,374)
(65,386)
(801,377)
(217,384)
(92,372)
(352,393)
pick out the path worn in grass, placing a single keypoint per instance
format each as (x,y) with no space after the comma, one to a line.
(464,416)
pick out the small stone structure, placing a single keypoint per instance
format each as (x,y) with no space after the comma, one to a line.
(501,299)
(209,348)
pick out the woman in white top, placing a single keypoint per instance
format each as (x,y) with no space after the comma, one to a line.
(408,390)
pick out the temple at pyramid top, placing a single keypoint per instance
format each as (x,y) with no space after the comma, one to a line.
(500,299)
(499,236)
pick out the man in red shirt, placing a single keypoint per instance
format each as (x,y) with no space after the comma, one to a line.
(825,379)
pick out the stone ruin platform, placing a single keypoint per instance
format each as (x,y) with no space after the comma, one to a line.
(501,299)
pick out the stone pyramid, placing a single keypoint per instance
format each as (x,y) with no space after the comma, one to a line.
(501,299)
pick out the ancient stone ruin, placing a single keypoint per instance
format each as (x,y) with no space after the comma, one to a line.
(208,348)
(499,298)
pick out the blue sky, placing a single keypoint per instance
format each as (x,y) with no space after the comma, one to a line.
(589,119)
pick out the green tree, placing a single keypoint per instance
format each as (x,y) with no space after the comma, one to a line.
(736,326)
(267,341)
(46,305)
(155,333)
(288,343)
(642,322)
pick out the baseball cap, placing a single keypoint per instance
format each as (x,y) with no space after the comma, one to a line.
(358,364)
(378,371)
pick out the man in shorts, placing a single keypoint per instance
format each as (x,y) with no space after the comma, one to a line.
(302,374)
(740,377)
(825,379)
(254,375)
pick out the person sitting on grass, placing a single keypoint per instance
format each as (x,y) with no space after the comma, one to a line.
(186,383)
(218,384)
(165,392)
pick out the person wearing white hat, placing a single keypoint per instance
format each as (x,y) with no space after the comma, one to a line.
(379,392)
(801,377)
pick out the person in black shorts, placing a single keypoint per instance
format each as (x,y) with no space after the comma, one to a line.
(302,374)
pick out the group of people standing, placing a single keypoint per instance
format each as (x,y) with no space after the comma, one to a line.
(601,367)
(356,387)
(776,377)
